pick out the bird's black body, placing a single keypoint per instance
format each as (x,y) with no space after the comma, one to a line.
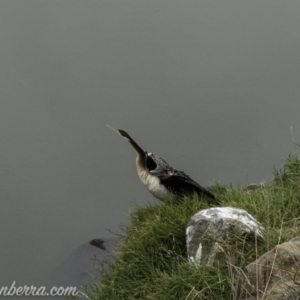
(164,182)
(177,182)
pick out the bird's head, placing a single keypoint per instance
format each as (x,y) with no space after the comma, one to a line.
(138,149)
(121,133)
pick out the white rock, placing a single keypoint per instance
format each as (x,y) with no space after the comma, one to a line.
(217,222)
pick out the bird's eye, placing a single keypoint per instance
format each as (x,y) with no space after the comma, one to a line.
(150,163)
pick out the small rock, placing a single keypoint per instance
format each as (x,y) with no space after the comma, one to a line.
(254,186)
(210,225)
(275,275)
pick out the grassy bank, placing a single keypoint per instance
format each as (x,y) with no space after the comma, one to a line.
(151,259)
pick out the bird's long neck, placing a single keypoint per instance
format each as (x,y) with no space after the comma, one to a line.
(140,161)
(141,158)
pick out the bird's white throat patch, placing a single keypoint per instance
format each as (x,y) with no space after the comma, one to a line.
(153,185)
(158,190)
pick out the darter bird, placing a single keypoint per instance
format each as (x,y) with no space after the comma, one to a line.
(162,181)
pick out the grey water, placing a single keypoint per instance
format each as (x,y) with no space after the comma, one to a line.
(210,86)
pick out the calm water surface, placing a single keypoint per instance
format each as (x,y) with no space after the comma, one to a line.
(211,86)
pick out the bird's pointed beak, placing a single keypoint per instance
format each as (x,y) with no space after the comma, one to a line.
(114,129)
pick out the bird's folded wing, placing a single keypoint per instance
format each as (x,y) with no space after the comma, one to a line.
(181,183)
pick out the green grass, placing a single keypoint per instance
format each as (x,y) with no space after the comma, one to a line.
(151,260)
